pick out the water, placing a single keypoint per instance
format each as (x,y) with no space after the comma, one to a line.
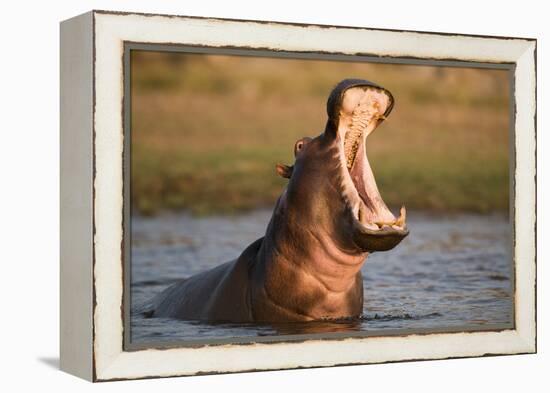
(451,271)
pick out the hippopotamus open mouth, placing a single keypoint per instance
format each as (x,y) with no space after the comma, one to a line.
(355,108)
(358,107)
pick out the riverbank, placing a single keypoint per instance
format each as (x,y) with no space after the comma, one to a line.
(207,132)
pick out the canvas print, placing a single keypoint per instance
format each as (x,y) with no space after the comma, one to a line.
(280,197)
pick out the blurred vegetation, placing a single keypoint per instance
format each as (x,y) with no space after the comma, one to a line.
(208,130)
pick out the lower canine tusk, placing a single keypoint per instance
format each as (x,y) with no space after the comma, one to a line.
(402,219)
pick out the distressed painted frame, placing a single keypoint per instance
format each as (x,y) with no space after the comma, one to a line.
(92,194)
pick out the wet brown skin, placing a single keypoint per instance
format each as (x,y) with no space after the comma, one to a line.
(307,266)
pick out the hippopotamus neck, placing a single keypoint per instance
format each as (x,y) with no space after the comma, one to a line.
(302,273)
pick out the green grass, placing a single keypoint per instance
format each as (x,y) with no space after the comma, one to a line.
(207,132)
(225,181)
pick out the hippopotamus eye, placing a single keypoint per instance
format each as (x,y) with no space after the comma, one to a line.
(300,145)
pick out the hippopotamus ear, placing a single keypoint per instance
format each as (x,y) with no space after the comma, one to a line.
(284,170)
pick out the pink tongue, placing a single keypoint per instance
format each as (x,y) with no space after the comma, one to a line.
(363,178)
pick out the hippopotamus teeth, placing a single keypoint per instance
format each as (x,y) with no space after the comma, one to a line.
(400,223)
(402,219)
(362,217)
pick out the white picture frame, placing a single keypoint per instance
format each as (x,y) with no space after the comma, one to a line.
(93,188)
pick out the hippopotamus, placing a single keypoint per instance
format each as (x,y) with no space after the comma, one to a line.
(325,223)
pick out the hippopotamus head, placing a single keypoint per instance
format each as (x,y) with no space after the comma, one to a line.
(332,190)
